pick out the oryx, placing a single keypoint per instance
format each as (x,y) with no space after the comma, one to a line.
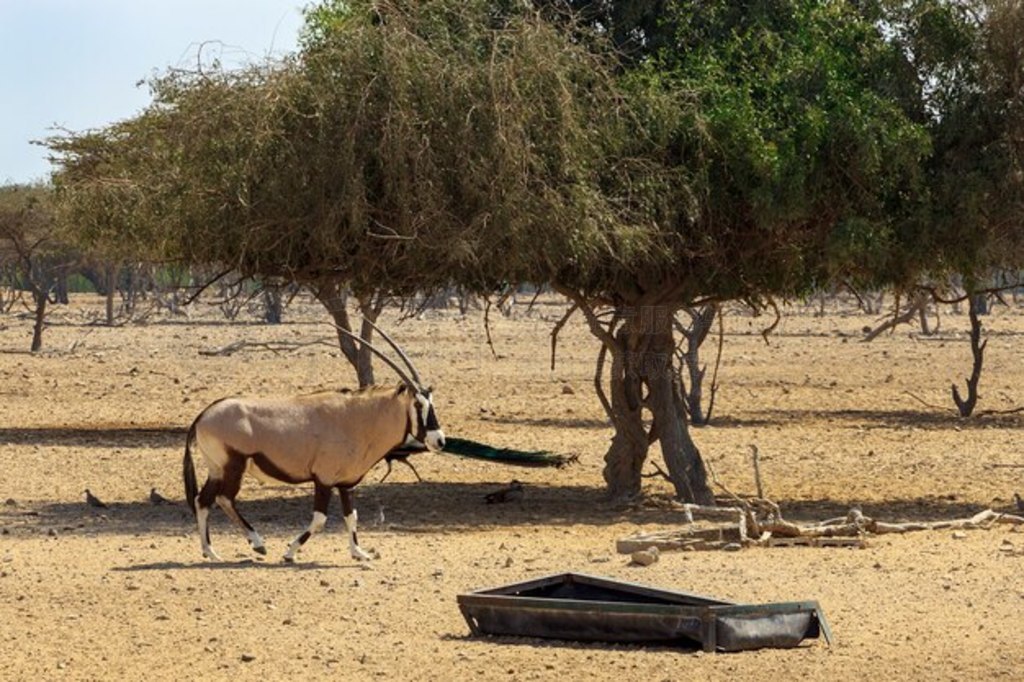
(332,438)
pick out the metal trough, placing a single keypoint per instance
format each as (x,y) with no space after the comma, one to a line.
(575,606)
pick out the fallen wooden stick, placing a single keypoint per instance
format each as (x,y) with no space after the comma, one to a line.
(730,526)
(759,521)
(272,346)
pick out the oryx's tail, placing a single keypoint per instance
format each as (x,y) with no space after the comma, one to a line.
(189,469)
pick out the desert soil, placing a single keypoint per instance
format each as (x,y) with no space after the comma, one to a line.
(124,593)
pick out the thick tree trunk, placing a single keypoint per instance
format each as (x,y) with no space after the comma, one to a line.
(643,359)
(979,304)
(272,304)
(685,466)
(335,299)
(370,308)
(624,460)
(923,318)
(60,291)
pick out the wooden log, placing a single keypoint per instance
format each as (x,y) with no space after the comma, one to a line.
(697,510)
(705,536)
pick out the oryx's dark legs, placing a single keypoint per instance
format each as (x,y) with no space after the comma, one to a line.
(349,510)
(229,487)
(203,503)
(321,500)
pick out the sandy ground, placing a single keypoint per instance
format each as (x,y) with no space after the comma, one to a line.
(124,593)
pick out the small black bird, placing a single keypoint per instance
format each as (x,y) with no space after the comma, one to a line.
(156,498)
(93,501)
(512,493)
(1019,501)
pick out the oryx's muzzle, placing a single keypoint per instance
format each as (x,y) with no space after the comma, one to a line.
(428,430)
(435,440)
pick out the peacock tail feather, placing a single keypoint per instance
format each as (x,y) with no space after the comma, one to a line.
(464,447)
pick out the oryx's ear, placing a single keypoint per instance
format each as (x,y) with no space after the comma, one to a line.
(402,388)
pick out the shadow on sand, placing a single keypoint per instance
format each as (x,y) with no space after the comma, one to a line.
(99,436)
(933,419)
(921,419)
(430,507)
(247,564)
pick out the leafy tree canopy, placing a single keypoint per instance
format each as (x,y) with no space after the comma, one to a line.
(401,150)
(748,149)
(966,61)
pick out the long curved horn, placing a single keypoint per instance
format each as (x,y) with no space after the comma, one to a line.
(389,361)
(408,362)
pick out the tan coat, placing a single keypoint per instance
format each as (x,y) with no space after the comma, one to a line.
(334,438)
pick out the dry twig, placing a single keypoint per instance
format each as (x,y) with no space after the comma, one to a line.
(275,347)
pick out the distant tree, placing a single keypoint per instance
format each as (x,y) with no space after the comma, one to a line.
(965,68)
(32,249)
(107,221)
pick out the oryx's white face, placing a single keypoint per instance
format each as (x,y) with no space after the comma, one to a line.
(426,428)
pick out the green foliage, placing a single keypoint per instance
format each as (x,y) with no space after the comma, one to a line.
(808,156)
(734,150)
(635,29)
(404,150)
(966,60)
(32,248)
(322,20)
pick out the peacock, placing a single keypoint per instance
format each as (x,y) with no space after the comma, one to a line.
(464,447)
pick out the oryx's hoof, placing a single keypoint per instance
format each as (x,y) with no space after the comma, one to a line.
(260,550)
(359,555)
(289,559)
(211,555)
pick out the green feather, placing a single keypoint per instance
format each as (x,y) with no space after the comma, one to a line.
(471,448)
(529,458)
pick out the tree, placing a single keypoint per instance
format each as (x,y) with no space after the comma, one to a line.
(30,245)
(966,66)
(378,162)
(770,149)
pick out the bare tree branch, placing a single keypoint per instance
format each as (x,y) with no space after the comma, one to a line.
(557,328)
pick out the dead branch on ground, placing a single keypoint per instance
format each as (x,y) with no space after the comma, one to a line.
(993,413)
(276,347)
(926,403)
(760,519)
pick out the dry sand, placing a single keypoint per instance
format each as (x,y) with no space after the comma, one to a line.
(124,593)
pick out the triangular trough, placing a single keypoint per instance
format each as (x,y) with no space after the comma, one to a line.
(576,606)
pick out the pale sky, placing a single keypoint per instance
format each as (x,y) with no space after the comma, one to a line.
(75,63)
